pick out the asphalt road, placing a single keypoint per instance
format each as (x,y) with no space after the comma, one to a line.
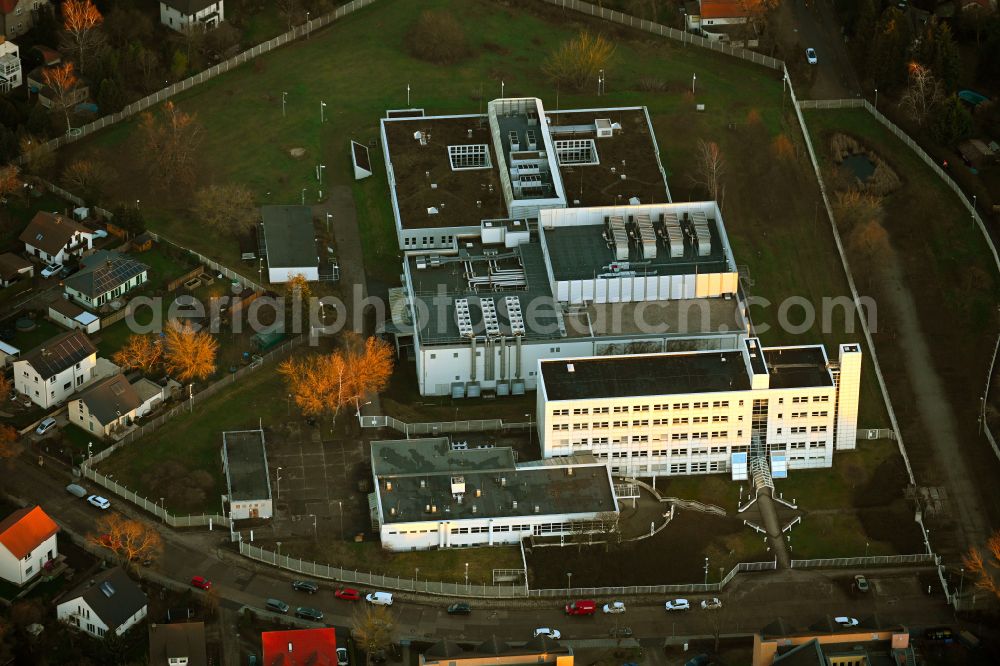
(801,598)
(801,25)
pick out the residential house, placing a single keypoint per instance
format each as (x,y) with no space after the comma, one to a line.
(300,646)
(113,402)
(13,268)
(103,277)
(51,372)
(827,644)
(18,16)
(69,314)
(181,644)
(54,238)
(10,66)
(109,601)
(180,15)
(27,543)
(708,13)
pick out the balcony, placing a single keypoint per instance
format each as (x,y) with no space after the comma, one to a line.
(10,65)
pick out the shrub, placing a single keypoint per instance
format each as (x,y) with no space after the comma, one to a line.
(438,37)
(578,61)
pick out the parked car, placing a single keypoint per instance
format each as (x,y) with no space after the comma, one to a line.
(584,607)
(100,233)
(861,582)
(74,489)
(51,270)
(347,594)
(678,605)
(845,621)
(379,598)
(67,271)
(698,660)
(550,633)
(99,502)
(45,426)
(614,607)
(811,56)
(305,586)
(620,632)
(711,604)
(307,613)
(342,659)
(201,583)
(276,605)
(460,608)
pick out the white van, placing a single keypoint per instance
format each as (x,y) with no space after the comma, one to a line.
(79,491)
(379,598)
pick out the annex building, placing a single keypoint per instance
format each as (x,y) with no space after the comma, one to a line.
(768,409)
(431,495)
(531,235)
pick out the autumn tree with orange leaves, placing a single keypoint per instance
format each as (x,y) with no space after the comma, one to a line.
(62,80)
(141,352)
(171,141)
(189,354)
(11,184)
(985,568)
(131,541)
(322,384)
(81,22)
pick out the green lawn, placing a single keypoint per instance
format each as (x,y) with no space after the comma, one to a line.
(165,264)
(45,329)
(836,535)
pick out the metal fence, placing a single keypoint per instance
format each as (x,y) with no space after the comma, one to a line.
(166,93)
(671,33)
(873,561)
(441,427)
(210,263)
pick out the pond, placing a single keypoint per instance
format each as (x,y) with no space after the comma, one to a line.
(859,165)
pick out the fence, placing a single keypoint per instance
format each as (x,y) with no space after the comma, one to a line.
(671,33)
(166,93)
(214,265)
(174,284)
(440,427)
(873,561)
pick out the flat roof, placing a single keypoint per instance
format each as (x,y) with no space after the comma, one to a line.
(676,317)
(582,253)
(424,491)
(416,167)
(438,287)
(631,151)
(289,237)
(246,465)
(646,374)
(798,367)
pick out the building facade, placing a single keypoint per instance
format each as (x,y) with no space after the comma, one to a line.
(248,485)
(181,15)
(19,16)
(103,278)
(110,601)
(27,544)
(112,404)
(702,412)
(10,66)
(54,238)
(56,369)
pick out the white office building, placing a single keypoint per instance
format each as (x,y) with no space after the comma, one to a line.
(429,494)
(702,412)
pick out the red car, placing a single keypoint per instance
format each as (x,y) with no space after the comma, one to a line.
(201,583)
(347,594)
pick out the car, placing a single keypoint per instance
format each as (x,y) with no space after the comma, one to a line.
(845,621)
(348,594)
(698,660)
(711,604)
(305,586)
(342,657)
(99,502)
(379,598)
(620,632)
(549,633)
(100,233)
(307,613)
(51,270)
(67,271)
(811,56)
(861,583)
(78,491)
(45,426)
(459,609)
(584,607)
(201,583)
(678,605)
(939,634)
(614,607)
(276,605)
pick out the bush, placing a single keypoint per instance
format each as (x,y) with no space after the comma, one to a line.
(578,61)
(438,37)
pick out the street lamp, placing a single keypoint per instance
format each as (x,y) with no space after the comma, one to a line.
(706,571)
(501,88)
(416,573)
(277,494)
(303,196)
(866,549)
(279,552)
(466,574)
(322,112)
(529,427)
(288,404)
(694,77)
(315,532)
(284,98)
(876,99)
(407,94)
(319,172)
(961,583)
(137,204)
(972,215)
(308,25)
(340,504)
(569,580)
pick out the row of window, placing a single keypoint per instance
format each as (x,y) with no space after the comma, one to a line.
(426,240)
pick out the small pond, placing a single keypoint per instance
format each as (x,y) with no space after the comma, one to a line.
(859,165)
(25,324)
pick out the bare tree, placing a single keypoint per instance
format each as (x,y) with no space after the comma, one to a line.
(89,179)
(710,168)
(228,208)
(923,93)
(62,81)
(171,140)
(289,9)
(81,21)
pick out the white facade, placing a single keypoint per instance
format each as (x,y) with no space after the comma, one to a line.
(282,274)
(10,66)
(654,433)
(209,15)
(20,571)
(85,321)
(79,614)
(78,244)
(47,393)
(97,300)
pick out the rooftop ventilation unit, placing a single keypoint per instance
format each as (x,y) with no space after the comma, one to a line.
(490,320)
(532,140)
(515,142)
(463,317)
(672,235)
(647,236)
(514,315)
(457,485)
(703,239)
(619,236)
(605,130)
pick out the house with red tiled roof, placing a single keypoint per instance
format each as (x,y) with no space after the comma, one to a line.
(19,16)
(703,14)
(300,646)
(27,544)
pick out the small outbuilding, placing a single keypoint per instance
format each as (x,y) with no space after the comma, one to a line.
(289,243)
